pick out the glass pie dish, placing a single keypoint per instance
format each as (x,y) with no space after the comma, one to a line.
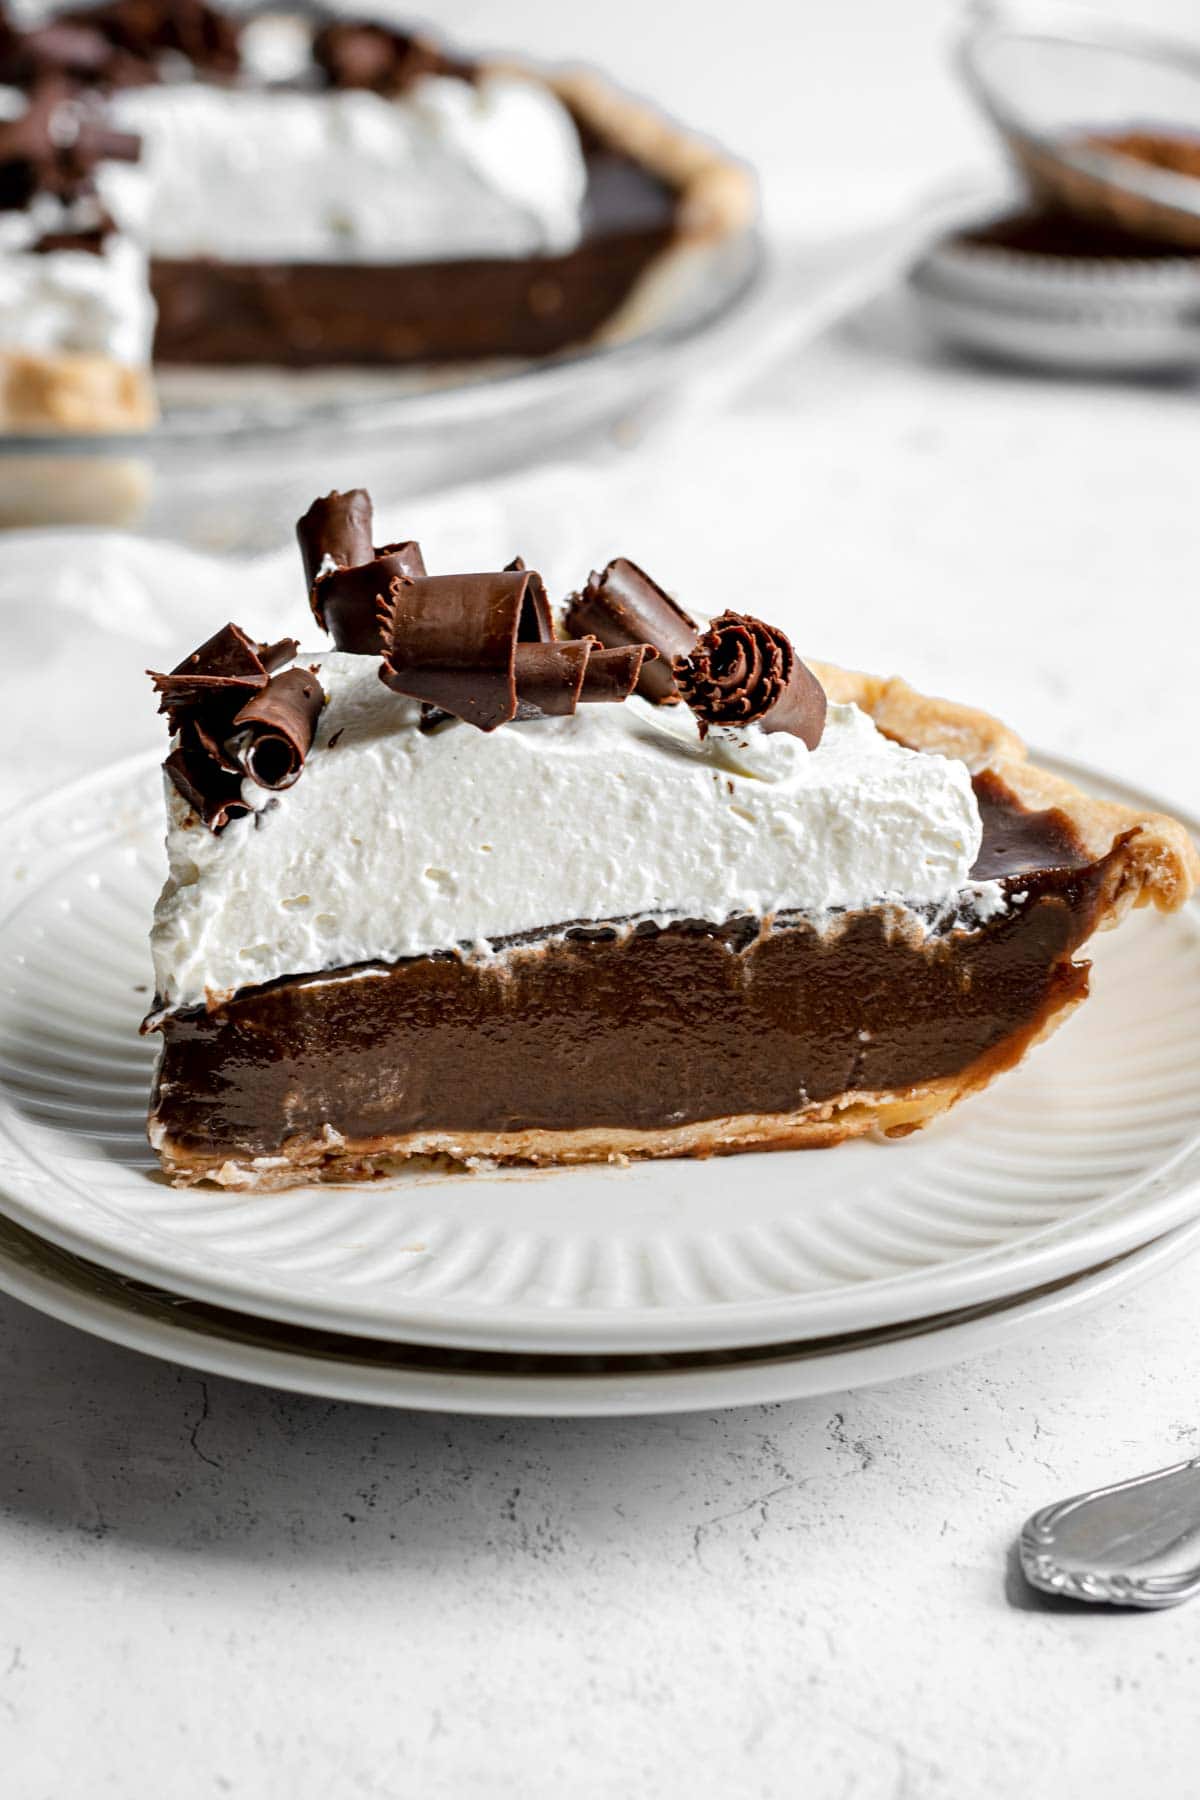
(233,448)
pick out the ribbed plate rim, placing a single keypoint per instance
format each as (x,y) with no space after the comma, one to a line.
(595,1394)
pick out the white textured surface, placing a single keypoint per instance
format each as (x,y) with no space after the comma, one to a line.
(396,842)
(450,170)
(228,1592)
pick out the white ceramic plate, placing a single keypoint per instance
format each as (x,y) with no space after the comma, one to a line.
(1090,1149)
(387,1374)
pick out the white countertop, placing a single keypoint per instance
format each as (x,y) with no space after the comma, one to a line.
(214,1590)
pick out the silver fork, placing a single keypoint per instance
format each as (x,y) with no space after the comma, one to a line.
(1136,1543)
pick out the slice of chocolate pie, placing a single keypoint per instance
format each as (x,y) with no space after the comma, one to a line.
(484,883)
(293,191)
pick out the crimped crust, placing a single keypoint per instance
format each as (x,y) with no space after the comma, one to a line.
(717,199)
(716,194)
(1149,860)
(73,391)
(1154,859)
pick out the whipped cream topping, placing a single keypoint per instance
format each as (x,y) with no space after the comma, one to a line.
(451,169)
(72,300)
(396,843)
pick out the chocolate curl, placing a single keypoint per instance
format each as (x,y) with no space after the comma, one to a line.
(537,617)
(369,54)
(272,734)
(335,533)
(555,678)
(53,147)
(97,142)
(536,626)
(204,697)
(623,607)
(228,661)
(743,672)
(213,794)
(89,243)
(451,641)
(550,678)
(348,577)
(77,51)
(141,30)
(351,598)
(613,674)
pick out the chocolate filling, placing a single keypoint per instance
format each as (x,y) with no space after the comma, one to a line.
(298,314)
(644,1028)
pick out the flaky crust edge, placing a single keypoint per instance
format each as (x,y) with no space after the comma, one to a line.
(717,195)
(66,391)
(1150,859)
(1153,859)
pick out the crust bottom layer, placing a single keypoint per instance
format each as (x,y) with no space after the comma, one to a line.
(328,1157)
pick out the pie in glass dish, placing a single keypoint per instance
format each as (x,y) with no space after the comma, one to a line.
(178,187)
(495,880)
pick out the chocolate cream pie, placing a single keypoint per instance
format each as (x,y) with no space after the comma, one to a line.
(290,191)
(484,881)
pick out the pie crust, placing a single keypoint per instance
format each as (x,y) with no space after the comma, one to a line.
(1149,859)
(73,391)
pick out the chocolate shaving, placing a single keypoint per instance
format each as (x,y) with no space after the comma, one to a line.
(235,717)
(743,672)
(554,678)
(550,678)
(622,607)
(77,51)
(614,674)
(213,795)
(335,533)
(451,641)
(273,733)
(348,577)
(53,147)
(480,648)
(199,738)
(88,241)
(140,31)
(370,54)
(351,598)
(228,660)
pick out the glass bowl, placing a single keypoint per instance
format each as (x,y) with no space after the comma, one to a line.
(1051,90)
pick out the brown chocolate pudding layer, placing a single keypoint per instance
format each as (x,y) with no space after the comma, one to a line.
(301,314)
(645,1030)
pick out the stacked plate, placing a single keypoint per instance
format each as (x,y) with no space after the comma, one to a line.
(1048,87)
(650,1288)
